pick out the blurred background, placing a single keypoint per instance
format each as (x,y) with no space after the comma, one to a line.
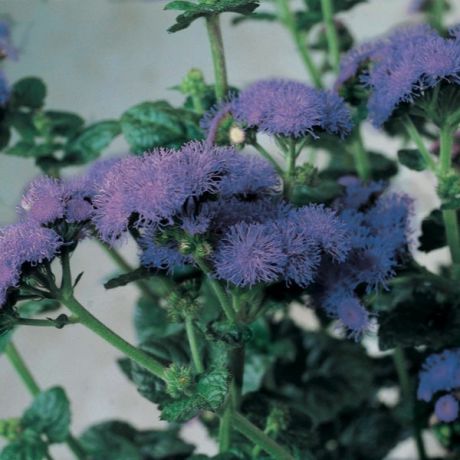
(98,58)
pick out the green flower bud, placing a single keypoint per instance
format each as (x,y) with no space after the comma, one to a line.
(179,380)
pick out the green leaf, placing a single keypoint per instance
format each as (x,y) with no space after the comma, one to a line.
(49,414)
(112,440)
(23,123)
(28,447)
(151,320)
(213,388)
(88,145)
(165,445)
(157,124)
(412,159)
(181,410)
(193,11)
(36,307)
(126,278)
(433,232)
(29,92)
(29,149)
(66,124)
(262,16)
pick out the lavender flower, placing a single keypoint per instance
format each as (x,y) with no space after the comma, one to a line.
(446,408)
(4,89)
(7,50)
(9,277)
(440,372)
(43,200)
(249,175)
(27,242)
(250,254)
(78,209)
(289,108)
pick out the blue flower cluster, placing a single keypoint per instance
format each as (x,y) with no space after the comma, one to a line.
(284,108)
(441,373)
(378,226)
(401,67)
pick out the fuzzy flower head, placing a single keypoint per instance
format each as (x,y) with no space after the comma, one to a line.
(402,67)
(28,242)
(446,408)
(440,372)
(9,277)
(290,108)
(43,200)
(250,254)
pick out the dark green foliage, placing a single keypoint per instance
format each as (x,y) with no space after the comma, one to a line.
(29,92)
(49,415)
(89,143)
(412,159)
(433,232)
(117,440)
(193,11)
(158,124)
(30,447)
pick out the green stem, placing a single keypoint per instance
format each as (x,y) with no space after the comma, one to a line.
(331,33)
(191,336)
(418,141)
(360,156)
(289,175)
(258,437)
(408,393)
(218,57)
(437,14)
(288,18)
(32,386)
(225,428)
(450,215)
(21,368)
(218,291)
(100,329)
(124,265)
(268,157)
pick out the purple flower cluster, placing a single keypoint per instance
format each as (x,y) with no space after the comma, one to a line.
(441,373)
(165,186)
(401,67)
(378,229)
(20,243)
(285,108)
(287,245)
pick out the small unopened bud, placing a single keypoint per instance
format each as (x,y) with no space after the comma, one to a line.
(179,380)
(237,135)
(203,250)
(185,247)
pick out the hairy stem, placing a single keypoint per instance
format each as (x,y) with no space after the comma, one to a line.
(191,336)
(287,17)
(218,56)
(100,329)
(225,428)
(31,384)
(258,437)
(331,34)
(413,133)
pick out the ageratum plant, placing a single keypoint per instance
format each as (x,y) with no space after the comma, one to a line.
(235,225)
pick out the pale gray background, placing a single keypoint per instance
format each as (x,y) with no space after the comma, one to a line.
(100,57)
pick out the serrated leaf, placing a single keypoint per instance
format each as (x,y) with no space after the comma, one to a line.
(181,410)
(112,440)
(152,124)
(29,92)
(30,448)
(88,145)
(164,444)
(199,10)
(49,414)
(412,159)
(213,388)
